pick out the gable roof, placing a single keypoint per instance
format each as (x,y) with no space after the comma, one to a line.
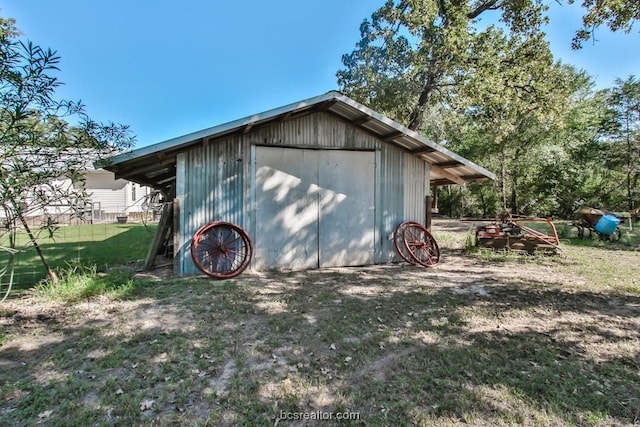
(154,165)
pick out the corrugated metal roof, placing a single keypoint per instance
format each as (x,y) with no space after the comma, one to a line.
(155,165)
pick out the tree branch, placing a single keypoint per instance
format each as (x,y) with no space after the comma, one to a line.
(483,7)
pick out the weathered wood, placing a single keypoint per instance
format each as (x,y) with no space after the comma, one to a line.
(427,211)
(158,239)
(175,231)
(454,178)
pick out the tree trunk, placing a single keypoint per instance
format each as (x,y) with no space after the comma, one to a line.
(52,275)
(514,194)
(417,114)
(503,181)
(629,169)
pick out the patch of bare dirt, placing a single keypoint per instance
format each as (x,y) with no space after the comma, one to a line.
(301,337)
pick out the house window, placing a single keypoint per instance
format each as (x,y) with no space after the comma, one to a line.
(133,192)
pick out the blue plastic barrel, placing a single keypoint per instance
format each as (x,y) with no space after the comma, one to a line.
(607,225)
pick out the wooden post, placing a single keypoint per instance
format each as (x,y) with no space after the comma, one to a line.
(427,211)
(158,239)
(434,199)
(176,235)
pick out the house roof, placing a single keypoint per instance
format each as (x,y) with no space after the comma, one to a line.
(154,165)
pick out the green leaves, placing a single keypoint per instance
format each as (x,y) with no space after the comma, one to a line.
(479,77)
(415,53)
(41,153)
(617,15)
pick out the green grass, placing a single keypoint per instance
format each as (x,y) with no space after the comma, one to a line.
(412,353)
(476,341)
(607,264)
(77,282)
(99,245)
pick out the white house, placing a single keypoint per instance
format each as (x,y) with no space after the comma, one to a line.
(109,198)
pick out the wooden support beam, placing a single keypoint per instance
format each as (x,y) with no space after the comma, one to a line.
(445,173)
(427,211)
(143,170)
(440,182)
(361,120)
(247,128)
(449,164)
(166,179)
(324,105)
(391,136)
(475,178)
(425,149)
(287,116)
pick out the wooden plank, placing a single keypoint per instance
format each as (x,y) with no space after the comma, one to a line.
(448,175)
(176,235)
(158,239)
(427,211)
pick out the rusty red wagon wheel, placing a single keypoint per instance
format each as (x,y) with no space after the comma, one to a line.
(398,241)
(421,245)
(221,249)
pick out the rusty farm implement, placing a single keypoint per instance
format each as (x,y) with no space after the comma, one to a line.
(518,233)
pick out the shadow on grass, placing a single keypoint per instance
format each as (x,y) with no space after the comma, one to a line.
(101,245)
(397,344)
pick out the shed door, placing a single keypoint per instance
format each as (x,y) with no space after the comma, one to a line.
(347,207)
(314,208)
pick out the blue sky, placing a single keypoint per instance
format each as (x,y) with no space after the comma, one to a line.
(170,68)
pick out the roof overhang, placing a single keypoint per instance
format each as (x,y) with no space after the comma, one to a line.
(154,165)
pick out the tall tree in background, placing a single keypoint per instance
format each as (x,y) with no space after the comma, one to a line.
(517,97)
(413,51)
(493,93)
(417,57)
(624,103)
(557,164)
(38,145)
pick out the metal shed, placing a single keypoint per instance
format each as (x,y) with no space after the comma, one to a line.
(319,183)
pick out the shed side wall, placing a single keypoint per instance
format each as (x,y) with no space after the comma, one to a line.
(213,190)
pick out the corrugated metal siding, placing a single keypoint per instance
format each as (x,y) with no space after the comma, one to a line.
(415,189)
(402,186)
(318,130)
(390,202)
(213,190)
(214,179)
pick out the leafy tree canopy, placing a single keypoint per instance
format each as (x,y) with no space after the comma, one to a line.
(491,90)
(413,52)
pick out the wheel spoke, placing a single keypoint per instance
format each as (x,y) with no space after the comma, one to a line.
(416,245)
(221,249)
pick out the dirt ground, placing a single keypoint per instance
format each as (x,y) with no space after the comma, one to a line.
(515,341)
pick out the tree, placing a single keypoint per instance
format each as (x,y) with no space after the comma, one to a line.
(412,51)
(618,15)
(38,143)
(417,57)
(624,136)
(493,93)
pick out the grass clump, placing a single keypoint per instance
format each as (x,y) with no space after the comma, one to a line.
(78,282)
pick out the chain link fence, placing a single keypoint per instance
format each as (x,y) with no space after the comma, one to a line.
(68,240)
